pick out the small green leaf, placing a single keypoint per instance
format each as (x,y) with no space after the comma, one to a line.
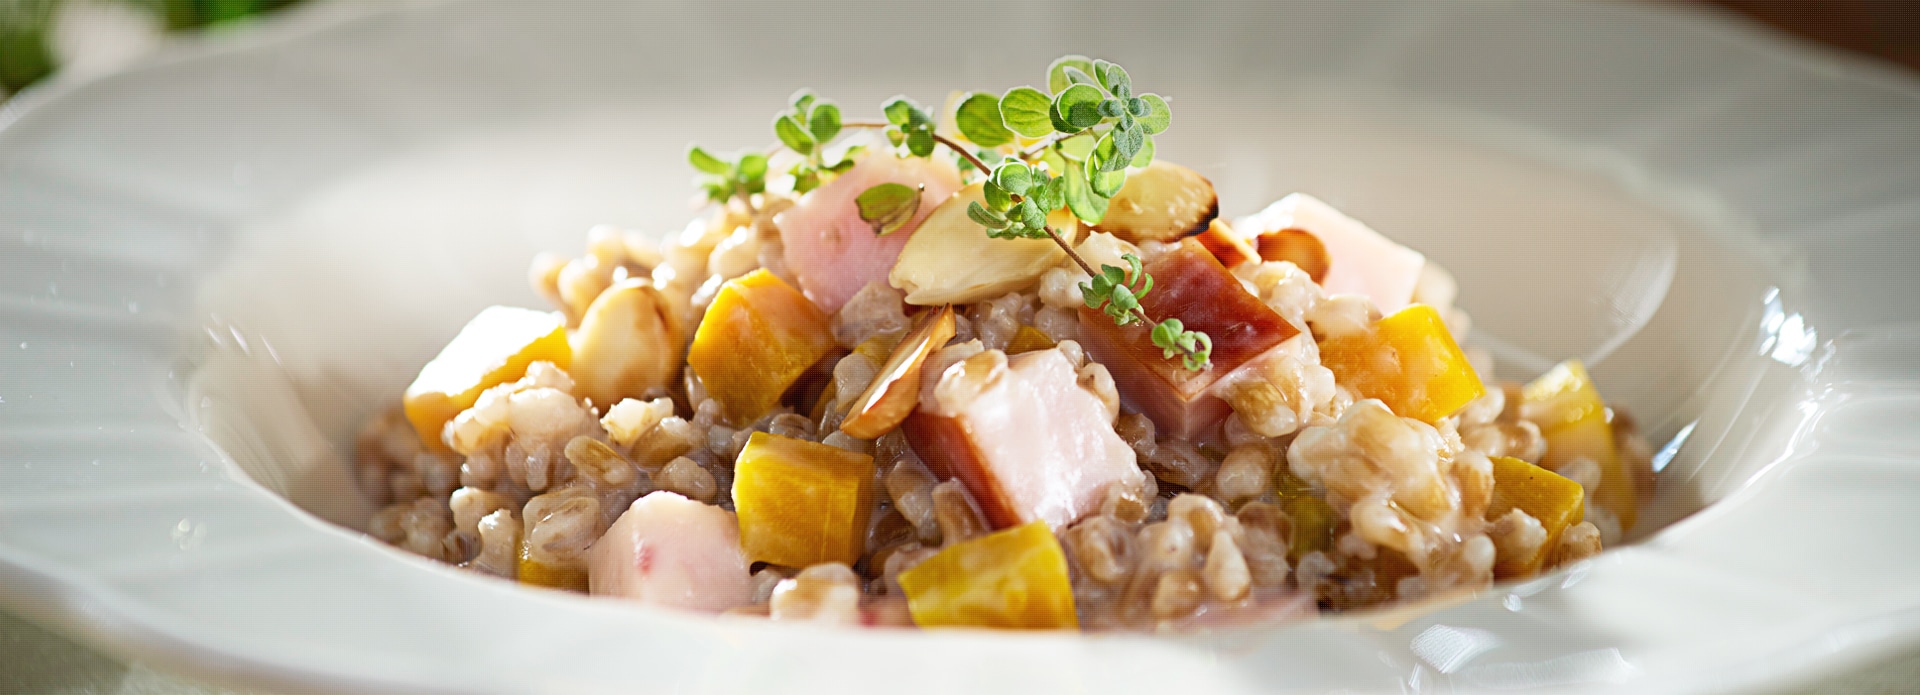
(888,207)
(1024,110)
(792,135)
(898,110)
(753,166)
(1058,121)
(1079,76)
(984,217)
(801,100)
(996,197)
(1158,115)
(1145,156)
(1014,177)
(1107,184)
(806,180)
(823,122)
(1056,73)
(979,119)
(1111,76)
(1085,205)
(1077,147)
(1079,106)
(702,160)
(1106,156)
(1127,143)
(920,141)
(1050,194)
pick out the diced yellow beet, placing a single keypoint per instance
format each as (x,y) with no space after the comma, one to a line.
(1028,339)
(494,348)
(802,503)
(759,335)
(536,573)
(1012,579)
(1570,412)
(1555,501)
(1409,361)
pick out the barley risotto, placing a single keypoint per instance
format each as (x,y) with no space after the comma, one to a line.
(995,365)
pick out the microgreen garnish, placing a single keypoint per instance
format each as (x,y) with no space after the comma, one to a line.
(743,175)
(888,206)
(806,129)
(1080,137)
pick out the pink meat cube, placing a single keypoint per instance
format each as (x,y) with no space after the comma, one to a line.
(831,251)
(1362,261)
(1032,446)
(667,550)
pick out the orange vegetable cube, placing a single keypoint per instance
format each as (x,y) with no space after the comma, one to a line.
(494,348)
(1556,501)
(759,335)
(1012,579)
(1573,417)
(1409,361)
(802,503)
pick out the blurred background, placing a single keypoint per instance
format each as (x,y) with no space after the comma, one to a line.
(83,37)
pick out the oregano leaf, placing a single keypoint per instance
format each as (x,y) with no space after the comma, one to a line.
(888,207)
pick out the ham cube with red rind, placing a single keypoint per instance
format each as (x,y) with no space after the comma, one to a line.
(1190,285)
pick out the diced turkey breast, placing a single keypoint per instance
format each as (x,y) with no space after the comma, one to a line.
(1025,438)
(1363,261)
(831,251)
(667,550)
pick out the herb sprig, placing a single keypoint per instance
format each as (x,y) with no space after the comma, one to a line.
(1081,136)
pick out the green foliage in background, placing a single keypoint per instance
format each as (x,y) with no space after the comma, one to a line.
(26,50)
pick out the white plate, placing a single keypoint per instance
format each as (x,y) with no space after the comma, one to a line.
(212,267)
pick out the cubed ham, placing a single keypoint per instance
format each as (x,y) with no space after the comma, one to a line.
(1025,438)
(831,251)
(1191,285)
(1361,261)
(667,550)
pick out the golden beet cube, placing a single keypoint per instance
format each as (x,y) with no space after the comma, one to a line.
(1570,412)
(1012,579)
(802,503)
(494,348)
(1556,501)
(759,335)
(1409,361)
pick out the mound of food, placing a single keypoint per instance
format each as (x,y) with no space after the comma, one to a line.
(1002,368)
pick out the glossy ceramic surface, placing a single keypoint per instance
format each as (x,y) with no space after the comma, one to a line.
(214,267)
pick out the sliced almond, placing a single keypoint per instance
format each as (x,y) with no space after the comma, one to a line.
(1298,247)
(1162,202)
(896,390)
(1229,248)
(951,260)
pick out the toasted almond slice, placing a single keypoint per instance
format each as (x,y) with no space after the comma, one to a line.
(1226,246)
(1162,202)
(1299,247)
(896,390)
